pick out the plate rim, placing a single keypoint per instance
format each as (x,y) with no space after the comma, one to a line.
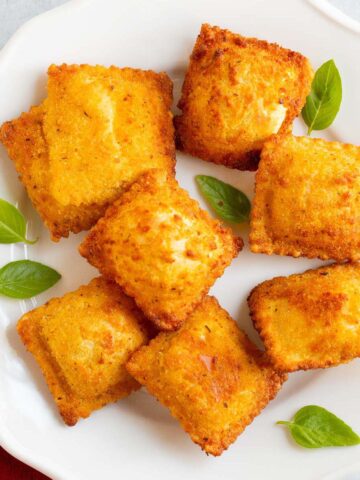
(336,15)
(7,441)
(6,50)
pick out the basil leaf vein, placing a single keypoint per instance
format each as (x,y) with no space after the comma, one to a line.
(324,100)
(228,202)
(12,224)
(316,427)
(25,278)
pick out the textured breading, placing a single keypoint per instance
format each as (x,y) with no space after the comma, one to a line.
(310,320)
(81,342)
(95,133)
(237,92)
(307,200)
(161,247)
(210,376)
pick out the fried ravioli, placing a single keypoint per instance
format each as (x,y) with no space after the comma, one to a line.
(210,376)
(161,248)
(81,342)
(307,200)
(95,133)
(310,320)
(237,92)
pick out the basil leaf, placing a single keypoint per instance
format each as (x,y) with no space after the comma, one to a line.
(316,427)
(25,278)
(323,102)
(12,224)
(227,201)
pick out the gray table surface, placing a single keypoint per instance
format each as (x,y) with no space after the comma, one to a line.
(14,13)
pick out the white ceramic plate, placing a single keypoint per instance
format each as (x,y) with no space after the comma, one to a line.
(136,437)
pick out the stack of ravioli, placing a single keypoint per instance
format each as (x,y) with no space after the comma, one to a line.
(99,154)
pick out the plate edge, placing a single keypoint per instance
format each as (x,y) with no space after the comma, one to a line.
(70,5)
(336,15)
(7,441)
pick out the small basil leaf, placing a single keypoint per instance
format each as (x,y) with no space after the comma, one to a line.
(323,102)
(12,224)
(227,201)
(316,427)
(25,278)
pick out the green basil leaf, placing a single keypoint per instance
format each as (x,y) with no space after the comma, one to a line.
(316,427)
(12,224)
(25,278)
(323,102)
(228,202)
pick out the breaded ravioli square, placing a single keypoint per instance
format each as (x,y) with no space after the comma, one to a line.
(210,376)
(310,320)
(161,248)
(237,92)
(307,200)
(95,133)
(81,342)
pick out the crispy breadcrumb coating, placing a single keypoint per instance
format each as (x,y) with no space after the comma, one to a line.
(161,248)
(210,376)
(95,133)
(81,342)
(237,92)
(307,200)
(310,320)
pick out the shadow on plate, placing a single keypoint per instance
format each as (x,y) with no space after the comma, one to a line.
(141,404)
(160,424)
(32,368)
(244,321)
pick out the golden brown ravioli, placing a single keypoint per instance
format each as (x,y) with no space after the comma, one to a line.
(310,320)
(95,133)
(237,92)
(81,342)
(210,376)
(161,248)
(307,200)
